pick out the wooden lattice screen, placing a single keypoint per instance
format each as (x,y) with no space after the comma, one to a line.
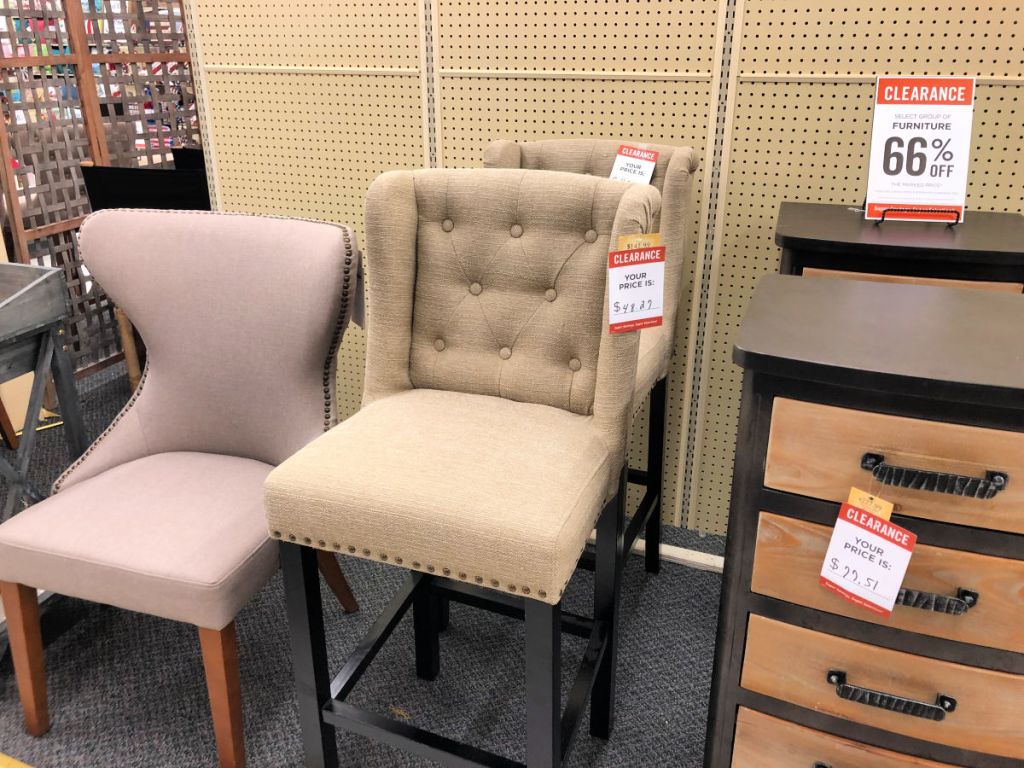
(106,81)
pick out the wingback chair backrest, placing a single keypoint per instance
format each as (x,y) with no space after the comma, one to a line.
(241,316)
(673,176)
(492,282)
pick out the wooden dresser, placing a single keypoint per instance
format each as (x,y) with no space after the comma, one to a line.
(986,251)
(915,394)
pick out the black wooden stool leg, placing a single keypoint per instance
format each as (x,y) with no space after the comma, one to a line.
(607,581)
(655,474)
(543,684)
(426,610)
(309,653)
(444,610)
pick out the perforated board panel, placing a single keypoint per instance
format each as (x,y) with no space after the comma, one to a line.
(603,69)
(305,104)
(800,127)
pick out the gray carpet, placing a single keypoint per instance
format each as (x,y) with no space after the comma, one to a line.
(128,690)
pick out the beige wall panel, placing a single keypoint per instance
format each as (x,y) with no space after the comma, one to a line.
(650,36)
(836,38)
(309,33)
(304,144)
(475,110)
(800,130)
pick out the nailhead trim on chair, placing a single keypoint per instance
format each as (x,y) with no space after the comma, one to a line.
(416,565)
(95,444)
(330,407)
(330,416)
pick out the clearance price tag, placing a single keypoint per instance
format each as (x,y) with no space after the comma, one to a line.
(867,559)
(636,283)
(920,145)
(634,164)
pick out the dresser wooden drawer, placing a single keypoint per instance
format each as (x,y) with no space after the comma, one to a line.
(821,451)
(794,664)
(763,741)
(788,558)
(977,285)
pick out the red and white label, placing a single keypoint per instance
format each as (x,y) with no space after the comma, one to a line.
(636,287)
(920,148)
(867,559)
(634,164)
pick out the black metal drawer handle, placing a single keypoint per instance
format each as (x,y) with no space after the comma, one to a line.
(930,601)
(937,711)
(937,482)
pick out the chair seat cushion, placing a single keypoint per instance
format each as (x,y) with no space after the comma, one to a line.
(478,488)
(177,535)
(651,364)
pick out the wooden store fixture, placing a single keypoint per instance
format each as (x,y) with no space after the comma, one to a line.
(915,394)
(985,251)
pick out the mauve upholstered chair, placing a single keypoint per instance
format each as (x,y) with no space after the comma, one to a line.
(163,514)
(491,439)
(673,178)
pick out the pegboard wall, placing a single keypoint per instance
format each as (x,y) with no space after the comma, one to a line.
(304,103)
(798,127)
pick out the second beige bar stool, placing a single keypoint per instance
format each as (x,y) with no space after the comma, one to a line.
(673,178)
(492,436)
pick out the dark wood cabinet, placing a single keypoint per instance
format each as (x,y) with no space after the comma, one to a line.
(986,251)
(932,379)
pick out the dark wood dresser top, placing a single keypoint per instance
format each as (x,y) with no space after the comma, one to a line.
(985,236)
(942,343)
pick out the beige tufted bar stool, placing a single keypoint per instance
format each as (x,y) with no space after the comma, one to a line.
(163,514)
(673,178)
(491,440)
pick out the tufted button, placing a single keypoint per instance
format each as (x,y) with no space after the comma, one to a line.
(550,294)
(504,353)
(516,231)
(447,225)
(475,288)
(575,365)
(590,236)
(439,344)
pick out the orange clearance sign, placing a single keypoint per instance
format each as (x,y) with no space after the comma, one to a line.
(935,91)
(920,147)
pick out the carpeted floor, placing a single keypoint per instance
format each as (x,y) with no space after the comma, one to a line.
(127,690)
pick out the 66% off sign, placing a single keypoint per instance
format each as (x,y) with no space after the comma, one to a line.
(920,146)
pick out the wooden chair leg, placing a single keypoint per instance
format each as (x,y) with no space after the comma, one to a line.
(21,609)
(126,332)
(335,578)
(220,658)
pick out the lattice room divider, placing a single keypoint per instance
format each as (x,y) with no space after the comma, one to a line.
(84,80)
(303,104)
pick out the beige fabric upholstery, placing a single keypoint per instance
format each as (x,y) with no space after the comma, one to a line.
(241,316)
(479,488)
(672,178)
(176,535)
(496,405)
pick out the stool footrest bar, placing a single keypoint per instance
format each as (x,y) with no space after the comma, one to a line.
(506,605)
(447,752)
(359,660)
(579,694)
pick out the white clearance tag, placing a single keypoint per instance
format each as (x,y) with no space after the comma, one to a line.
(867,559)
(636,283)
(634,164)
(920,147)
